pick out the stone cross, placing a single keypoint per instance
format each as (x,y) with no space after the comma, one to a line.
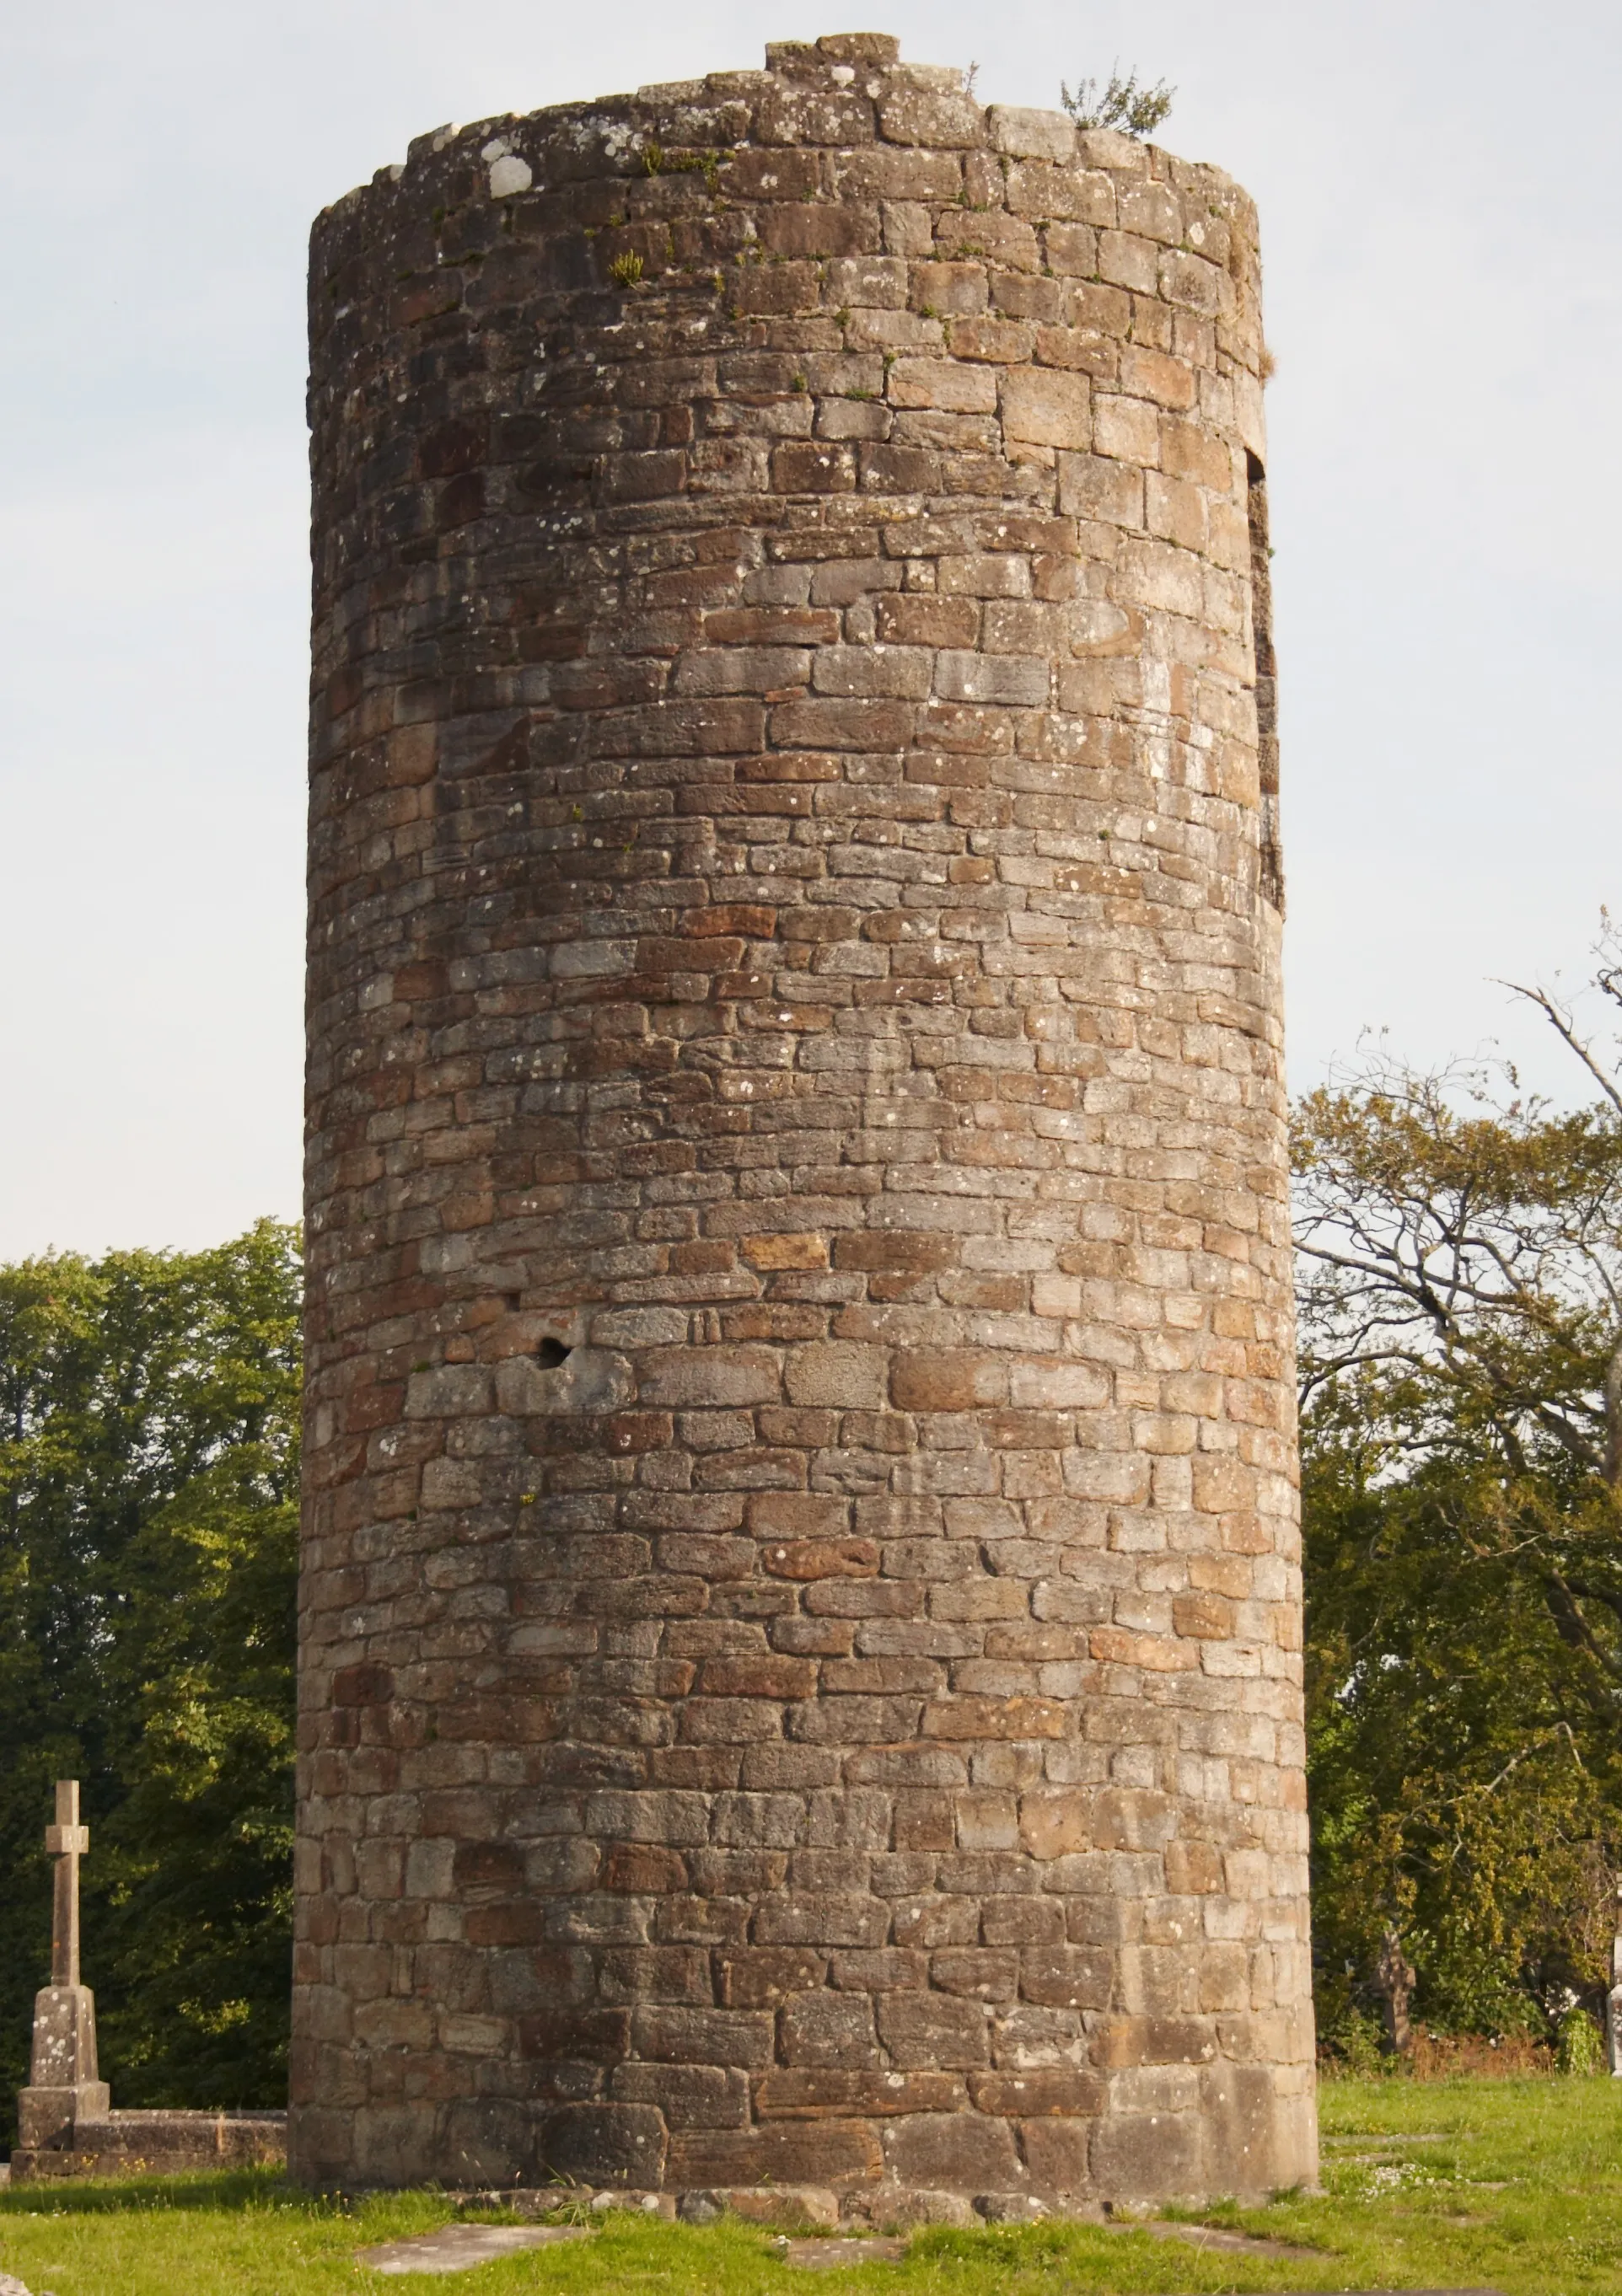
(64,2091)
(67,1842)
(1613,2004)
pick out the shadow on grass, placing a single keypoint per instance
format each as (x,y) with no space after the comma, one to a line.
(208,2189)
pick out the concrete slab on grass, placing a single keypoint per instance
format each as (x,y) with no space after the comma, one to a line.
(1199,2235)
(458,2247)
(827,2255)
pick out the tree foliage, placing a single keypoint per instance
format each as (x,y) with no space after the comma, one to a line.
(1460,1302)
(148,1533)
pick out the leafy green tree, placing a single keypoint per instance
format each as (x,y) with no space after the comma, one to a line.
(148,1538)
(1461,1305)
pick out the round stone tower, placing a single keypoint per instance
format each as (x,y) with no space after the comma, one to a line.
(801,1610)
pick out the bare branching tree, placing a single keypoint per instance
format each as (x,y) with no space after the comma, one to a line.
(1460,1276)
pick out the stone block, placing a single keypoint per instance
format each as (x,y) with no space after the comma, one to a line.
(787,2205)
(760,1977)
(894,2208)
(1048,408)
(816,2152)
(1005,678)
(1058,2155)
(977,1974)
(827,2028)
(1154,2154)
(1057,1821)
(941,382)
(841,1375)
(679,2035)
(922,2030)
(952,2152)
(1066,1977)
(995,1719)
(998,341)
(1025,135)
(811,1559)
(1041,2093)
(453,1390)
(822,1917)
(610,2145)
(814,2093)
(819,229)
(939,118)
(710,1376)
(689,2096)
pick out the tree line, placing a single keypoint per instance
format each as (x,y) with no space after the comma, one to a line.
(1459,1297)
(149,1415)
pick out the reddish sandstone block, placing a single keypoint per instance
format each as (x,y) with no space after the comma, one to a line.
(1057,2153)
(761,1977)
(955,2151)
(1049,2091)
(815,467)
(837,2152)
(811,1559)
(1204,1617)
(993,1718)
(817,2094)
(948,1380)
(1066,1977)
(827,2028)
(762,1676)
(922,2030)
(785,1252)
(1048,409)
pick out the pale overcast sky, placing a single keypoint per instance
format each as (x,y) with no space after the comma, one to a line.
(1442,214)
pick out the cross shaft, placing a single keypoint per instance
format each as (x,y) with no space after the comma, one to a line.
(67,1842)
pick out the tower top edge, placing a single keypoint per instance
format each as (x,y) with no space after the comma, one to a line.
(923,105)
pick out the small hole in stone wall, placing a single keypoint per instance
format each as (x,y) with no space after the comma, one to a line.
(511,1301)
(550,1353)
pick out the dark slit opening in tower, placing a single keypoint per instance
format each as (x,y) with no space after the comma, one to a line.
(1266,682)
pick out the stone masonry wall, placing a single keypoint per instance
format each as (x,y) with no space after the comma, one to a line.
(801,1608)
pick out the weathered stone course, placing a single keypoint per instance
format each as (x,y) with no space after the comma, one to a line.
(801,1608)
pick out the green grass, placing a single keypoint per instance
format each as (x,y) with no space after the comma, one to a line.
(1520,2190)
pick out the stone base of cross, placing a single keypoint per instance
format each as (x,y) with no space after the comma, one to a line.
(64,2089)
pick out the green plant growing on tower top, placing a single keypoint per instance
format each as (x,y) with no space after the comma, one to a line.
(626,270)
(1120,103)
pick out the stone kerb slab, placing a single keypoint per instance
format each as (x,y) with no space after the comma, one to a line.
(460,2247)
(155,2144)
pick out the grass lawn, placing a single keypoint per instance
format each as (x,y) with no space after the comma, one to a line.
(1515,2185)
